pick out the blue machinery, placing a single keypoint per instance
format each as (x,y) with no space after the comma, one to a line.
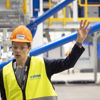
(56,43)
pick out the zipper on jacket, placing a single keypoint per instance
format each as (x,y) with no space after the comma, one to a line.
(24,96)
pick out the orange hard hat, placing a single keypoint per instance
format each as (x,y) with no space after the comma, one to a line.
(21,34)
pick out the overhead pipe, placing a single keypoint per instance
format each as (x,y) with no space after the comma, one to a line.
(57,43)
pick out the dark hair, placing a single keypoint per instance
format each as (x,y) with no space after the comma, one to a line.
(29,45)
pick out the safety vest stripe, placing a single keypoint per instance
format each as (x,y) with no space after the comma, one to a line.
(45,98)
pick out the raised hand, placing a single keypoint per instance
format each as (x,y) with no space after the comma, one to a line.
(83,31)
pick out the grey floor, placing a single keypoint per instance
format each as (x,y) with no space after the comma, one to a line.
(78,92)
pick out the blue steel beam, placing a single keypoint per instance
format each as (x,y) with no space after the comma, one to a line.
(36,8)
(62,41)
(57,43)
(33,25)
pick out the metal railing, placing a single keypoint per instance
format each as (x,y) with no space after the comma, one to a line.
(24,7)
(85,6)
(64,19)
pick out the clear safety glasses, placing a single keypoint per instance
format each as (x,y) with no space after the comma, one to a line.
(15,47)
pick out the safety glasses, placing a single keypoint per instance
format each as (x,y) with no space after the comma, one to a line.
(15,47)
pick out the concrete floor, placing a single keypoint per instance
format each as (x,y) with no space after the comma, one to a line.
(78,92)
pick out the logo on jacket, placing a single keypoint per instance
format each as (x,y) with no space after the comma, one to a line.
(35,76)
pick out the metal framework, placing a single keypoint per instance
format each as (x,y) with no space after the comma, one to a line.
(24,7)
(66,19)
(32,26)
(11,13)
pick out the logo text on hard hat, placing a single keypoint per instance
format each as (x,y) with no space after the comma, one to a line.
(20,36)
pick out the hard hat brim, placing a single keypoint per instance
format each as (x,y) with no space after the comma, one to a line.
(19,40)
